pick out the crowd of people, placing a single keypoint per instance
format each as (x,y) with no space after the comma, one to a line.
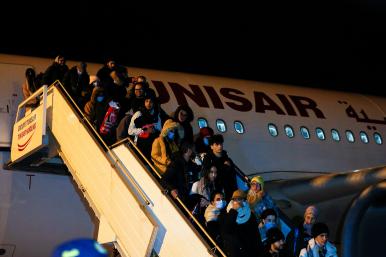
(194,168)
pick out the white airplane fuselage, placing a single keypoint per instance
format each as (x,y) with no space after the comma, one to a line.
(259,107)
(256,105)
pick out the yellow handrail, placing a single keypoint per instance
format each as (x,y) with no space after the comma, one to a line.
(133,182)
(147,161)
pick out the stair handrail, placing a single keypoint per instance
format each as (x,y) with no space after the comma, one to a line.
(145,199)
(180,202)
(68,96)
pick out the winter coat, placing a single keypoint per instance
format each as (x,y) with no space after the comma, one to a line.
(95,111)
(258,206)
(143,139)
(137,122)
(205,190)
(226,174)
(240,240)
(185,126)
(77,85)
(163,149)
(312,250)
(296,240)
(175,177)
(54,72)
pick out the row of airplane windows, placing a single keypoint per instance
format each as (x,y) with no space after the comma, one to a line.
(289,131)
(320,134)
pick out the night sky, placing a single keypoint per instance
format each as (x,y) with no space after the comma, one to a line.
(331,44)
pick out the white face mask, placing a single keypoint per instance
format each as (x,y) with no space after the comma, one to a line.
(220,204)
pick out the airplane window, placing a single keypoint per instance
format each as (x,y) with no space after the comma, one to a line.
(202,123)
(320,134)
(335,135)
(364,137)
(272,130)
(289,131)
(350,136)
(220,124)
(239,127)
(377,138)
(305,133)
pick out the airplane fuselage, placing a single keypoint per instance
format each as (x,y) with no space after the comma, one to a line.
(307,121)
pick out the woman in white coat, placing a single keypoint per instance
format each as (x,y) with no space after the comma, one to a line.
(319,246)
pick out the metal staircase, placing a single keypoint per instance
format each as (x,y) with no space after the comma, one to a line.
(133,211)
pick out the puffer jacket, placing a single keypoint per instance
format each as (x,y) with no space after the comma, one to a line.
(162,148)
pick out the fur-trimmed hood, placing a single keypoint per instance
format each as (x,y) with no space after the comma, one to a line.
(168,126)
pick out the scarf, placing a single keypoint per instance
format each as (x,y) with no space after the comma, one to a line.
(211,213)
(243,213)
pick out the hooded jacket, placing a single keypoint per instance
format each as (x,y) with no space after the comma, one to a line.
(163,149)
(95,111)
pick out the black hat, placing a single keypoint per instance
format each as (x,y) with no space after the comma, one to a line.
(273,235)
(319,228)
(268,212)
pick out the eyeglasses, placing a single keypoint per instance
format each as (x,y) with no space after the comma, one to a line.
(237,199)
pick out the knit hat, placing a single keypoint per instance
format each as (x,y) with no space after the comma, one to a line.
(239,194)
(206,132)
(319,228)
(268,212)
(311,210)
(82,247)
(274,234)
(260,180)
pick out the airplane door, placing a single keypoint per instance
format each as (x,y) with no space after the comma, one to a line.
(11,94)
(7,250)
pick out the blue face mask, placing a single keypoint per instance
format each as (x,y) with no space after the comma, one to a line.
(100,98)
(206,141)
(269,225)
(170,135)
(220,204)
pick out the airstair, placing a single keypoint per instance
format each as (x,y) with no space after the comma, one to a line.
(133,210)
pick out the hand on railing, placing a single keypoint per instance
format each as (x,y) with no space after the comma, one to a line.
(241,174)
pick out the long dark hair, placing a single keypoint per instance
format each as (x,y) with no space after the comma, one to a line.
(31,79)
(205,173)
(187,109)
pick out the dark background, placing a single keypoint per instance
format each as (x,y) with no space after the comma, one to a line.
(328,44)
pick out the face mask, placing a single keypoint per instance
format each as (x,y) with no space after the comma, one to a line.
(269,225)
(206,141)
(220,204)
(170,135)
(100,98)
(197,160)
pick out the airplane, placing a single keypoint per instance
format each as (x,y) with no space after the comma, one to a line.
(289,135)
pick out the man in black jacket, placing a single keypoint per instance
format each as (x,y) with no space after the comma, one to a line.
(239,228)
(225,166)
